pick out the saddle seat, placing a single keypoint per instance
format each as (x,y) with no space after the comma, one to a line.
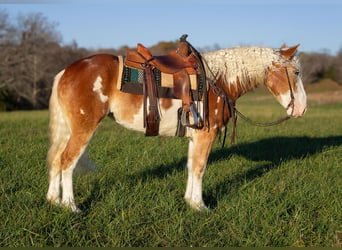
(180,63)
(170,63)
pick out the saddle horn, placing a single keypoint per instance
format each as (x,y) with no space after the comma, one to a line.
(183,38)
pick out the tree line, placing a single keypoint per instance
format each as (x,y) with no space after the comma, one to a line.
(32,53)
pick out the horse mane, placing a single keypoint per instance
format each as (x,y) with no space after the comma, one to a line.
(246,66)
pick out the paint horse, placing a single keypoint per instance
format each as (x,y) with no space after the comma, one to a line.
(85,92)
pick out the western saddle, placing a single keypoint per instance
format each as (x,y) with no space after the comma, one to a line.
(180,63)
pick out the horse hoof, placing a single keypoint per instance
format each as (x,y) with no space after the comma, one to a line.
(54,201)
(199,207)
(202,208)
(71,206)
(74,209)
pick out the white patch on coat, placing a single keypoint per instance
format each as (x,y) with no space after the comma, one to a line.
(82,112)
(300,98)
(97,87)
(285,99)
(167,125)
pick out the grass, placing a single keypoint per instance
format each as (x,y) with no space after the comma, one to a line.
(278,186)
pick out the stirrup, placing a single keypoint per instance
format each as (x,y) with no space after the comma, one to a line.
(190,120)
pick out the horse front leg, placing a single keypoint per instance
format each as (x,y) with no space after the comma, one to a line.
(199,149)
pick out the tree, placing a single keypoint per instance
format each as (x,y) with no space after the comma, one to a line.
(25,69)
(6,29)
(316,66)
(31,54)
(6,34)
(338,67)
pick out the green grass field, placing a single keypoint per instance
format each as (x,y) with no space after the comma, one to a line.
(277,186)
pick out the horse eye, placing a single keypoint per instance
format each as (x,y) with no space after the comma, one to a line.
(296,72)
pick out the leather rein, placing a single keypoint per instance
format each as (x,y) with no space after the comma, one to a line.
(218,90)
(268,124)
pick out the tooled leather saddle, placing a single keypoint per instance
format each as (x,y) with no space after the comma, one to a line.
(184,77)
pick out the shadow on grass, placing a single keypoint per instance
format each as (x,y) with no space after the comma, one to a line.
(273,151)
(278,149)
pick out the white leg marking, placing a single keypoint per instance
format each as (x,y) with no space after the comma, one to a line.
(68,199)
(54,189)
(188,192)
(193,193)
(197,200)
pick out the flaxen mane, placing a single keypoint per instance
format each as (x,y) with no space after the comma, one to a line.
(248,65)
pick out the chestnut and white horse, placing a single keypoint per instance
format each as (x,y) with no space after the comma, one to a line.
(86,91)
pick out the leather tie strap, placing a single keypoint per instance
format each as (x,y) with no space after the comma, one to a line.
(152,119)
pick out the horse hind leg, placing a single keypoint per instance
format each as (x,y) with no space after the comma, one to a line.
(66,148)
(69,158)
(64,154)
(81,133)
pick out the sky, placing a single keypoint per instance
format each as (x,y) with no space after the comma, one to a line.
(95,24)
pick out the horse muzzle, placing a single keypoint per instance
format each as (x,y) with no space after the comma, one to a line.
(296,111)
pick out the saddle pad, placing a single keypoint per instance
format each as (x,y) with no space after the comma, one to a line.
(131,81)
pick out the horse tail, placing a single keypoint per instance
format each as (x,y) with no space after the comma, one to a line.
(59,129)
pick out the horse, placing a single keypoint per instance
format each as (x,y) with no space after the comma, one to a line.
(85,92)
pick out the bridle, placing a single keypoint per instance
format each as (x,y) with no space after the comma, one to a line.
(218,90)
(291,104)
(268,124)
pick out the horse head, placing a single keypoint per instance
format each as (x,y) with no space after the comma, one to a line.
(284,80)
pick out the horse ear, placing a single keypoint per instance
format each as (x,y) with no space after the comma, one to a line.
(284,46)
(288,53)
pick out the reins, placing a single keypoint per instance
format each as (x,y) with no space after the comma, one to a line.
(219,91)
(268,124)
(261,124)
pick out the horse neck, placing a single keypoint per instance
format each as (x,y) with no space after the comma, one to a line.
(240,69)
